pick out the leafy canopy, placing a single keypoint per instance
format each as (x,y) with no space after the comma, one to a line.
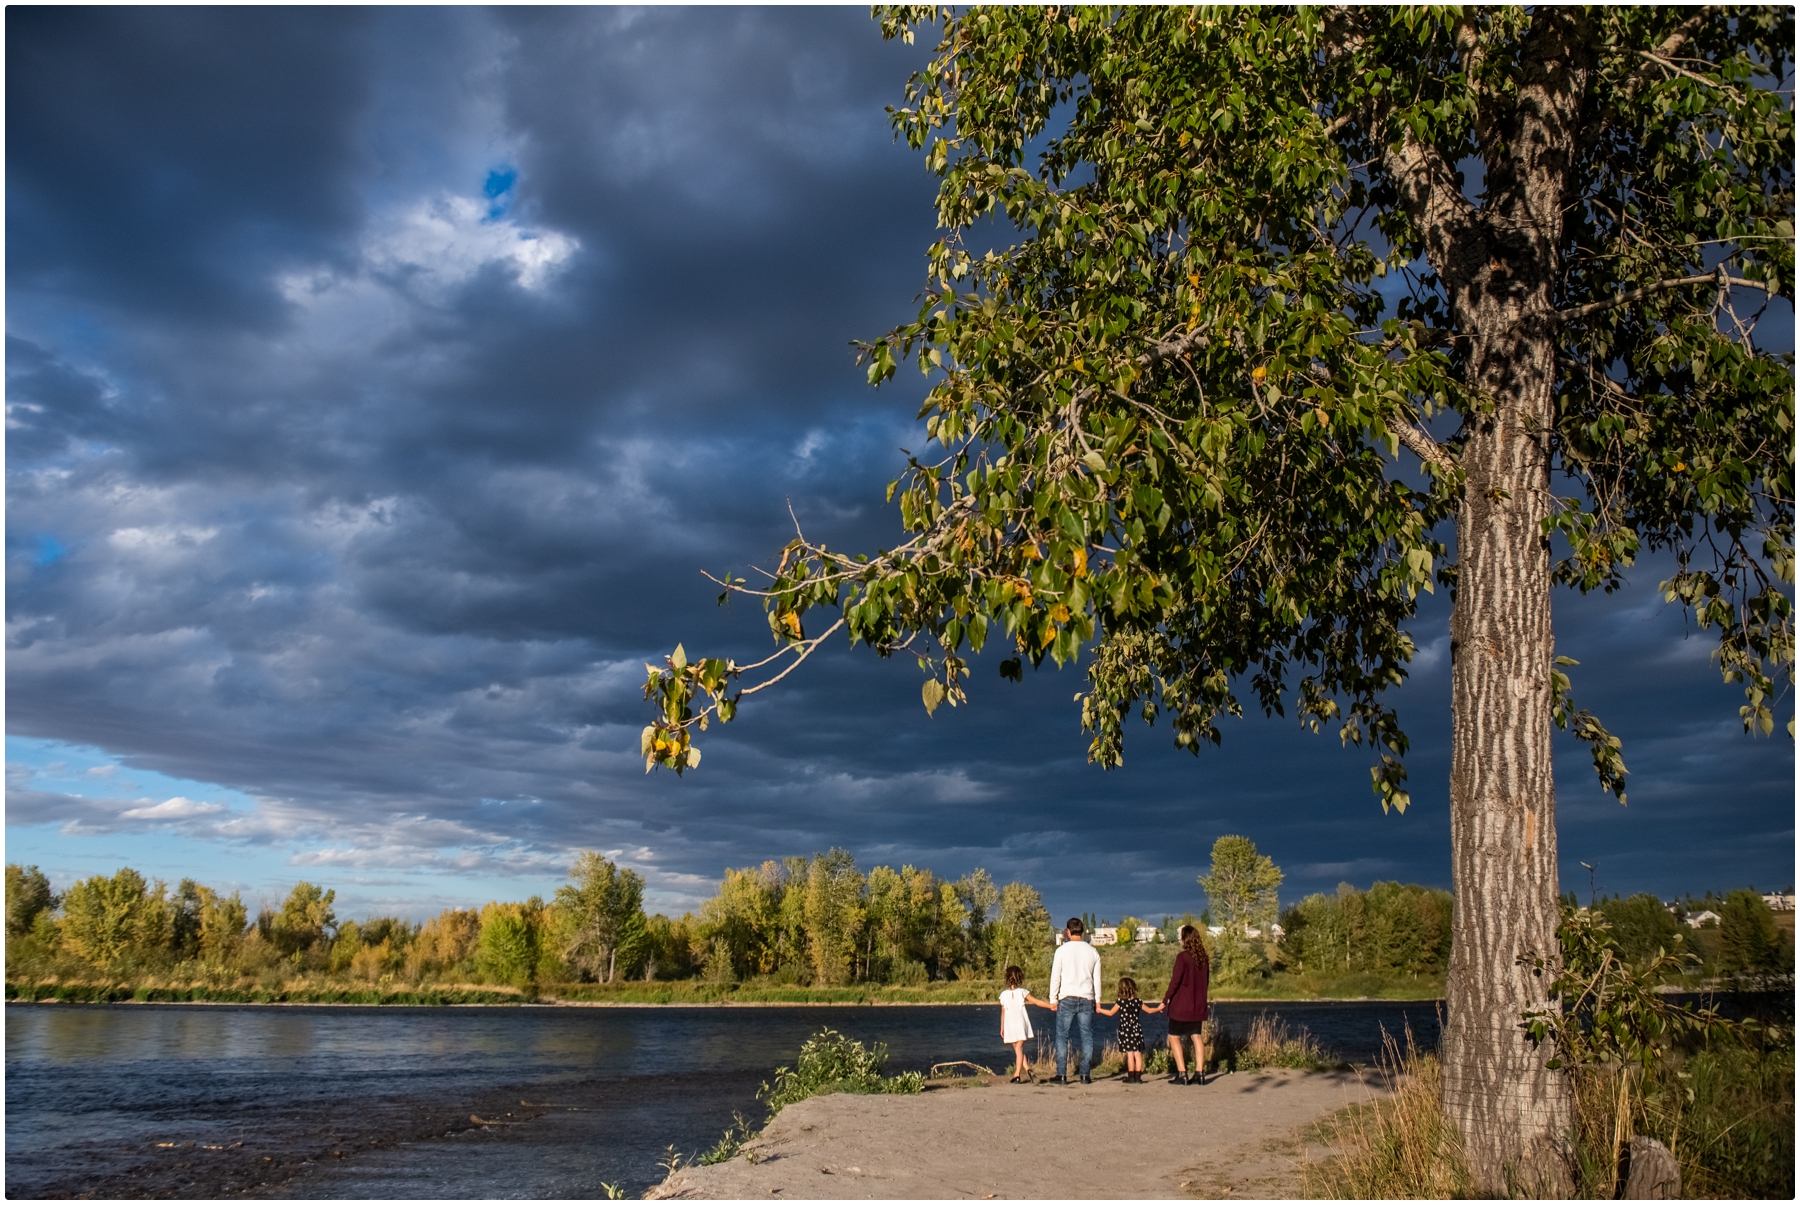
(1167,414)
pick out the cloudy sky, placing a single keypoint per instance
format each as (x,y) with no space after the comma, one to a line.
(381,381)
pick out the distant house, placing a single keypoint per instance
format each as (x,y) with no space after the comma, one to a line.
(1148,932)
(1105,935)
(1779,901)
(1699,920)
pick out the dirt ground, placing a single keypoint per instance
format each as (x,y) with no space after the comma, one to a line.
(1237,1136)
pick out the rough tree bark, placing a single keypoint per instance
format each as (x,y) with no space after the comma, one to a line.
(1498,264)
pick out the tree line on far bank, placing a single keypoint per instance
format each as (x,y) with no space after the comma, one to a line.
(809,921)
(814,921)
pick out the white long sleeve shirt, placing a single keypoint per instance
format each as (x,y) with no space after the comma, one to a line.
(1075,972)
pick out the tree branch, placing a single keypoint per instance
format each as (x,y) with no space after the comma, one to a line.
(1427,186)
(1661,286)
(1423,446)
(1173,347)
(1675,41)
(809,647)
(1666,65)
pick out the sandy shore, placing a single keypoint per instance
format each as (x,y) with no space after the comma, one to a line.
(1237,1136)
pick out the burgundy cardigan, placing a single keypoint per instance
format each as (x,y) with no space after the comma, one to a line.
(1186,997)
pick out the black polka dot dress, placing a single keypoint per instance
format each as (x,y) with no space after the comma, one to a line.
(1131,1025)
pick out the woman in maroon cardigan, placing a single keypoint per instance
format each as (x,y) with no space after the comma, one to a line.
(1185,1001)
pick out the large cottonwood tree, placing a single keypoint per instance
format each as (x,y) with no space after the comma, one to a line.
(1253,255)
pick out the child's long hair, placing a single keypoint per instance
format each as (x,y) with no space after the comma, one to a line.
(1194,947)
(1015,977)
(1127,988)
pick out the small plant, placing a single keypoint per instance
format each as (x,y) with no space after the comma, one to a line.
(672,1161)
(613,1191)
(732,1141)
(830,1062)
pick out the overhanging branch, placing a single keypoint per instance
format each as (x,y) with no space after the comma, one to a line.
(1661,286)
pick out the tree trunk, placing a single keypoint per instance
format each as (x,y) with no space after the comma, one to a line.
(1515,1114)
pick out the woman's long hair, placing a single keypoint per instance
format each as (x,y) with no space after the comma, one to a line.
(1193,947)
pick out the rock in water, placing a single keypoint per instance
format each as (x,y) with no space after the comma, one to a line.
(1652,1173)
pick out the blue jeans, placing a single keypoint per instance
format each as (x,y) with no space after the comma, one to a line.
(1081,1012)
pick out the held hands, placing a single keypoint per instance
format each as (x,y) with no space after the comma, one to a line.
(1155,1007)
(1105,1011)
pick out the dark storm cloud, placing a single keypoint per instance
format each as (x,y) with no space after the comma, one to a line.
(161,161)
(380,381)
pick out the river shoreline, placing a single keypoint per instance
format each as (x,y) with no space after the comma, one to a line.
(533,1100)
(555,1004)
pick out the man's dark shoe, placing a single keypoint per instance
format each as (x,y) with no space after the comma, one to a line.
(1059,1079)
(1086,1079)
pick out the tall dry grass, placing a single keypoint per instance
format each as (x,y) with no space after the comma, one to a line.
(1268,1043)
(1396,1147)
(1725,1112)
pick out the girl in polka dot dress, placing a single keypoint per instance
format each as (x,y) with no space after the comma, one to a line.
(1129,1009)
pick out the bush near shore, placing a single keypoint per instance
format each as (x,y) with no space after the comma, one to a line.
(1716,1091)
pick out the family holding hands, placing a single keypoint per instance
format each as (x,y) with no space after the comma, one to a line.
(1075,996)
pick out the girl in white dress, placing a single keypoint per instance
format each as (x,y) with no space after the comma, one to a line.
(1015,1026)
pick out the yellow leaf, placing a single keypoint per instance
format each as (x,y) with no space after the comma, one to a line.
(1033,551)
(1323,418)
(791,622)
(1059,613)
(1048,636)
(1259,374)
(1081,562)
(1681,466)
(1080,365)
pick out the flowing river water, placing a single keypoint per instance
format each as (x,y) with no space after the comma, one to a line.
(144,1100)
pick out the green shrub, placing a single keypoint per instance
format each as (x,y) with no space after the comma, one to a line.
(830,1062)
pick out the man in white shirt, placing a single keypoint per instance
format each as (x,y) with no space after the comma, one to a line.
(1074,991)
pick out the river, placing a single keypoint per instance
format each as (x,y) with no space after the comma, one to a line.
(219,1100)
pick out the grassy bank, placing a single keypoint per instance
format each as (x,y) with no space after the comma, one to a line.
(1283,986)
(127,993)
(683,991)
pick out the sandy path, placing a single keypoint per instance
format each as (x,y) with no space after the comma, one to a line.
(1239,1136)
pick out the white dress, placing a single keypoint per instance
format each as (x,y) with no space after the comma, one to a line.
(1015,1026)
